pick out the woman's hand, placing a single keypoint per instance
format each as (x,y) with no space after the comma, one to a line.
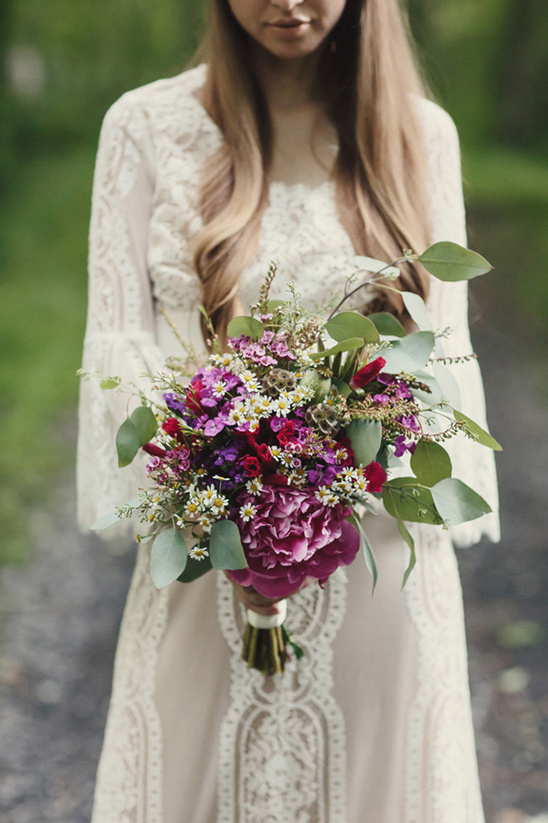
(251,598)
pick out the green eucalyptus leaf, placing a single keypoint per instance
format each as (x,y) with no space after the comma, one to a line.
(480,435)
(387,325)
(410,353)
(110,382)
(406,499)
(457,502)
(127,442)
(369,557)
(105,522)
(144,420)
(448,384)
(365,437)
(430,462)
(351,324)
(225,546)
(245,326)
(405,533)
(168,557)
(195,569)
(417,310)
(365,545)
(346,345)
(451,262)
(272,305)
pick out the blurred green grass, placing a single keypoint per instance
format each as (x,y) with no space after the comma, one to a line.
(43,237)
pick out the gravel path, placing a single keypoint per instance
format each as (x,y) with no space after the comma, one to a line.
(60,617)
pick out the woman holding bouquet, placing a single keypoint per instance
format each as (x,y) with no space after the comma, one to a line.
(305,139)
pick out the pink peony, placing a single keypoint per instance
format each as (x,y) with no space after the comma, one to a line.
(293,536)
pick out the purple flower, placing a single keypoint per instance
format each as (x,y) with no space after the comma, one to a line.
(401,446)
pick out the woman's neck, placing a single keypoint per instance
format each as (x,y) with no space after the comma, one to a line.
(288,84)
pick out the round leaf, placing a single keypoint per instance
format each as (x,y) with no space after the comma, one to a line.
(405,499)
(410,353)
(417,310)
(127,443)
(387,325)
(365,437)
(451,262)
(110,382)
(225,546)
(168,557)
(457,502)
(245,326)
(430,462)
(145,422)
(351,324)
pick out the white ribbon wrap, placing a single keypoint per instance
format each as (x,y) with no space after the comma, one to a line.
(268,621)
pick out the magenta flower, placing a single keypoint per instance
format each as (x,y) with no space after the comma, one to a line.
(293,536)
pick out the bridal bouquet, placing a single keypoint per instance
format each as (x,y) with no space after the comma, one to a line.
(265,462)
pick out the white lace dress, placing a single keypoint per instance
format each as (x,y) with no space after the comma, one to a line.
(374,724)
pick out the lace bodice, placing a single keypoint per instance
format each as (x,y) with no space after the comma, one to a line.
(154,143)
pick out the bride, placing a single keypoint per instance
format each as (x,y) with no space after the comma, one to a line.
(305,138)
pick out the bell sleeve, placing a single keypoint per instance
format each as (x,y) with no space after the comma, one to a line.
(448,307)
(120,333)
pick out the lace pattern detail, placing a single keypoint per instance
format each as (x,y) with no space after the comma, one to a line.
(441,782)
(282,742)
(133,737)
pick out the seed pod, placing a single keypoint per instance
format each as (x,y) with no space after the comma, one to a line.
(278,380)
(323,417)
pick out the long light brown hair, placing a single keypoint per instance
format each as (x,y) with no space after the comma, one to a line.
(369,84)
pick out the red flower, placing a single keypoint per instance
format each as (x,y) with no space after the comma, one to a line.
(192,401)
(285,435)
(171,426)
(150,448)
(375,476)
(367,373)
(252,467)
(265,457)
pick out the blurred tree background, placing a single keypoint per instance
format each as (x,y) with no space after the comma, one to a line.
(63,63)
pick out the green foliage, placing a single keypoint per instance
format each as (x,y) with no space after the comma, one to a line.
(479,434)
(349,324)
(168,557)
(410,353)
(430,463)
(244,325)
(195,569)
(457,502)
(387,325)
(451,262)
(135,431)
(406,499)
(365,438)
(225,546)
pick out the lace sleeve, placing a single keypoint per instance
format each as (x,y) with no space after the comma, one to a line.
(120,332)
(448,304)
